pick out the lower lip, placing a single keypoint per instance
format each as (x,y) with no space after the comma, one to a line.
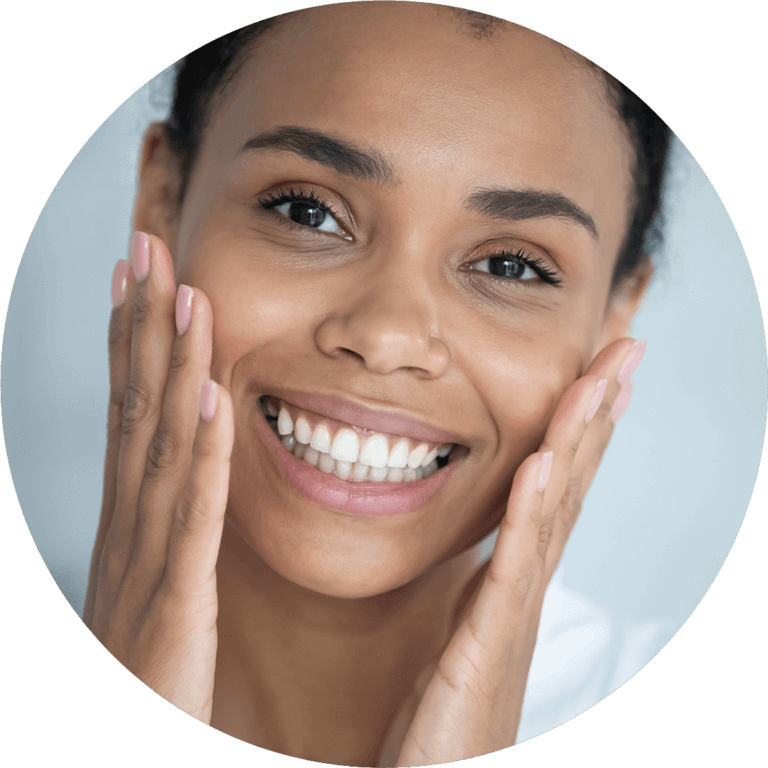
(362,499)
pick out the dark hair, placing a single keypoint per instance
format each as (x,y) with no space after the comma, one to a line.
(207,72)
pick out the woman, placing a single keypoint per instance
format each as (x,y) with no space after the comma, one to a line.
(386,259)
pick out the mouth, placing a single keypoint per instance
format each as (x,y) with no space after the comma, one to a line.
(354,469)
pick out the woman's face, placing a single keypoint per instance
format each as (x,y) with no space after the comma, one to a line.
(356,217)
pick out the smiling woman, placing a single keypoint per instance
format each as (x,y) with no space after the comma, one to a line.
(377,308)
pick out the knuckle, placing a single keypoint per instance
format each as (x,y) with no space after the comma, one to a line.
(163,451)
(191,513)
(520,587)
(116,333)
(138,405)
(142,308)
(179,360)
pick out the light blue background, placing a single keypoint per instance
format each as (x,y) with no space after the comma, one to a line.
(667,501)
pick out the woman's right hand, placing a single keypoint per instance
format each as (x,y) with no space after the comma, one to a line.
(152,597)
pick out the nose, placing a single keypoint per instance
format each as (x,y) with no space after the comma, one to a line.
(387,324)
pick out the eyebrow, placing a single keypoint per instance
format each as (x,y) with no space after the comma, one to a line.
(370,165)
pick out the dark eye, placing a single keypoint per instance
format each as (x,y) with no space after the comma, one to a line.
(516,267)
(503,266)
(305,211)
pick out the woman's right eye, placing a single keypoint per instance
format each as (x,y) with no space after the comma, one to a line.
(305,211)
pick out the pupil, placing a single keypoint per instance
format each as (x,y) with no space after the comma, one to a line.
(305,214)
(501,266)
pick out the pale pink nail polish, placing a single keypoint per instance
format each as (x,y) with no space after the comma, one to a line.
(119,282)
(546,468)
(632,361)
(622,401)
(208,397)
(140,255)
(183,308)
(597,398)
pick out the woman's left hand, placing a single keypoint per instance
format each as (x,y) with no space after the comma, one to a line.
(469,702)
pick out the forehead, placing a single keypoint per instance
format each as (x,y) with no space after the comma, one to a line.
(411,81)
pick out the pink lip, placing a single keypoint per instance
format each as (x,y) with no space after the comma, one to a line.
(377,421)
(362,499)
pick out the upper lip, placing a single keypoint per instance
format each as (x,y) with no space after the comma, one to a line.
(338,408)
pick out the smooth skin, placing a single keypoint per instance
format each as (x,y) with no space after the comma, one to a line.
(317,634)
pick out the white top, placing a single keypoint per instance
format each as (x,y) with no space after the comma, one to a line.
(581,656)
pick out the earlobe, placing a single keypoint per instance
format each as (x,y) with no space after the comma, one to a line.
(157,210)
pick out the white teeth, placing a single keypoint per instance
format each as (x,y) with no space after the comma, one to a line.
(284,422)
(378,474)
(395,475)
(346,446)
(303,430)
(430,469)
(321,438)
(299,449)
(343,469)
(375,451)
(360,472)
(288,441)
(398,456)
(311,456)
(417,454)
(429,458)
(271,410)
(326,463)
(444,451)
(410,474)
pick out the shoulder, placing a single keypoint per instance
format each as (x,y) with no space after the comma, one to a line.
(582,654)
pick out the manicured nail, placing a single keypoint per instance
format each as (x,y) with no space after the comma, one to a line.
(119,282)
(546,468)
(597,398)
(183,308)
(140,255)
(208,398)
(631,361)
(622,400)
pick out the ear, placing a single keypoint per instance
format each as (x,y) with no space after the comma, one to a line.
(624,304)
(157,205)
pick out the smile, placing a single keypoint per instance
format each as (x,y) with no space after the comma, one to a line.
(353,469)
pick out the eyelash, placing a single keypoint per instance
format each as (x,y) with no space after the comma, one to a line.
(272,200)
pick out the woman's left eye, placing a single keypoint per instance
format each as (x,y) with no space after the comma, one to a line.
(516,267)
(306,213)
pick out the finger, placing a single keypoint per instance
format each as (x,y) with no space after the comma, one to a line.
(613,363)
(119,345)
(170,451)
(514,566)
(152,334)
(196,529)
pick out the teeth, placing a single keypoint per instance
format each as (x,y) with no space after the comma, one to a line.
(303,430)
(398,456)
(284,422)
(347,459)
(417,454)
(326,463)
(346,446)
(360,472)
(378,474)
(321,438)
(375,452)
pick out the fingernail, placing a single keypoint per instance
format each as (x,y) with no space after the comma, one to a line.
(546,468)
(622,400)
(183,308)
(140,255)
(597,398)
(208,398)
(632,361)
(119,282)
